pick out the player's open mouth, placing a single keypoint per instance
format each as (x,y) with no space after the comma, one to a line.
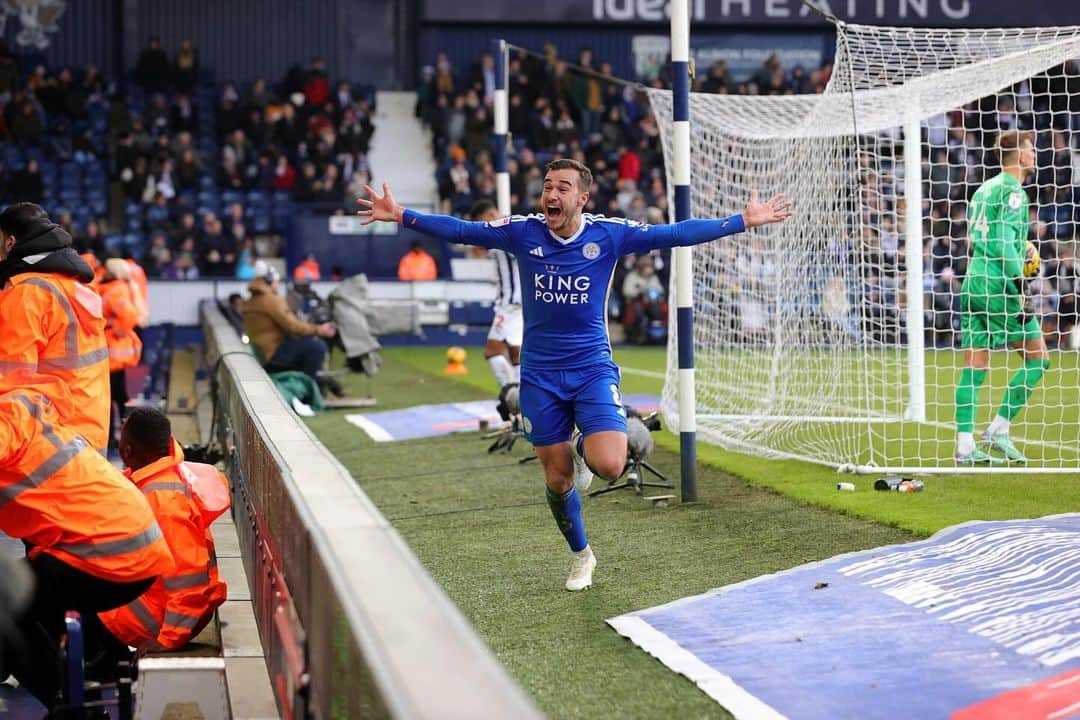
(553,212)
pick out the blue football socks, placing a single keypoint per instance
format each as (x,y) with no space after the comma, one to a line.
(566,508)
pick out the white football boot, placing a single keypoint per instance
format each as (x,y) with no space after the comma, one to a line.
(581,570)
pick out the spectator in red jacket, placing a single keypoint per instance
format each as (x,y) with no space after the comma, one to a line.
(629,165)
(317,87)
(284,174)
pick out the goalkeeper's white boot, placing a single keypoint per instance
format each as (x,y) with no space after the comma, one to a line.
(582,474)
(581,570)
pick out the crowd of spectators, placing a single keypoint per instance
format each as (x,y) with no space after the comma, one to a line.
(208,174)
(211,173)
(556,110)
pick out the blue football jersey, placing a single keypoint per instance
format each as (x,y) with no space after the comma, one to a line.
(565,281)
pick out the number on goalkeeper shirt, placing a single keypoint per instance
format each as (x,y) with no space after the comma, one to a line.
(979,222)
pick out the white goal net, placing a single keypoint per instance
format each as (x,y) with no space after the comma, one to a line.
(835,337)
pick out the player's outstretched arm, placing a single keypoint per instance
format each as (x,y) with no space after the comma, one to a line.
(642,238)
(385,208)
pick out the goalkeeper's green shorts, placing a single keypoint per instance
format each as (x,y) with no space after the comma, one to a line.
(992,325)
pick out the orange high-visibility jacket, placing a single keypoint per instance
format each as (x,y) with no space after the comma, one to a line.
(307,271)
(182,602)
(417,265)
(99,270)
(61,496)
(121,319)
(54,324)
(140,291)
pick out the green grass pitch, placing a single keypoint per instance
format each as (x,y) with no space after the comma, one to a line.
(480,525)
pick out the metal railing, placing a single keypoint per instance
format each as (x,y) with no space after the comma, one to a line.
(352,624)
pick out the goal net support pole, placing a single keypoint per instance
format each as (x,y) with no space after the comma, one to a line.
(684,271)
(913,260)
(502,123)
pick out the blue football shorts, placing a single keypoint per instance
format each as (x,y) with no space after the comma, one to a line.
(553,401)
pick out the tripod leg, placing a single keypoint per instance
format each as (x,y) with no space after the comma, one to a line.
(657,473)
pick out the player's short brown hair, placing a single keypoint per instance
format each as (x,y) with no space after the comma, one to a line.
(584,174)
(1009,142)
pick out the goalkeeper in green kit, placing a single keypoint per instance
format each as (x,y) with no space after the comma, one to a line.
(995,311)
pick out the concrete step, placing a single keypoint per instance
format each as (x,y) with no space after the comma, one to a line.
(401,151)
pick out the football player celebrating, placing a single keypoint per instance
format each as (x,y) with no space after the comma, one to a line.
(568,377)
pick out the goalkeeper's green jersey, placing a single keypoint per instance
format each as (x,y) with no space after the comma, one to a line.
(998,230)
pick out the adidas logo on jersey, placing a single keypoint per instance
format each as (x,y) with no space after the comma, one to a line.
(537,251)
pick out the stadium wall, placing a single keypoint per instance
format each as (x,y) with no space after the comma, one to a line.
(372,632)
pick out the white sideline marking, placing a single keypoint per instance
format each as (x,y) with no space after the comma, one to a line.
(376,432)
(720,687)
(642,373)
(877,418)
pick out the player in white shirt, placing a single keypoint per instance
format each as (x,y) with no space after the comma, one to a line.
(503,348)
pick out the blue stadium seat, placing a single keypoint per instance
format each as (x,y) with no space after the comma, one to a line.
(12,156)
(155,215)
(70,196)
(208,197)
(95,172)
(282,197)
(133,223)
(261,223)
(232,196)
(83,215)
(134,245)
(206,182)
(98,203)
(114,243)
(35,152)
(258,198)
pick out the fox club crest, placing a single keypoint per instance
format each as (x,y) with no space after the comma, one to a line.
(591,251)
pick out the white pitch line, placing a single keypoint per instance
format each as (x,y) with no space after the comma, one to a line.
(934,423)
(643,373)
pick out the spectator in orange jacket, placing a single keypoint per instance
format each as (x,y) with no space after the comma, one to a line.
(140,290)
(98,269)
(417,264)
(93,543)
(118,296)
(185,497)
(50,321)
(307,271)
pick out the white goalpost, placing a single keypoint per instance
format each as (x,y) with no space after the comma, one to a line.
(834,338)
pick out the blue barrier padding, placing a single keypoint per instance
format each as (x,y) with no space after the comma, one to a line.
(921,630)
